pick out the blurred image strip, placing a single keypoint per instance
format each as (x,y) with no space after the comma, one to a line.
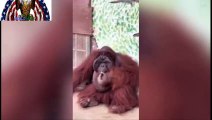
(175,60)
(37,67)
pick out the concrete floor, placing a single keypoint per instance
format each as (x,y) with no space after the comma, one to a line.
(100,112)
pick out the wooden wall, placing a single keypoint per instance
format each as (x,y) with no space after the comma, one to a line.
(82,30)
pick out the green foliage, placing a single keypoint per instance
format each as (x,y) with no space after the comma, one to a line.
(115,24)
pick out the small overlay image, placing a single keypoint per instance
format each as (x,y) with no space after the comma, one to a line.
(25,10)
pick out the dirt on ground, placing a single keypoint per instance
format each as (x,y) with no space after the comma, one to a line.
(101,112)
